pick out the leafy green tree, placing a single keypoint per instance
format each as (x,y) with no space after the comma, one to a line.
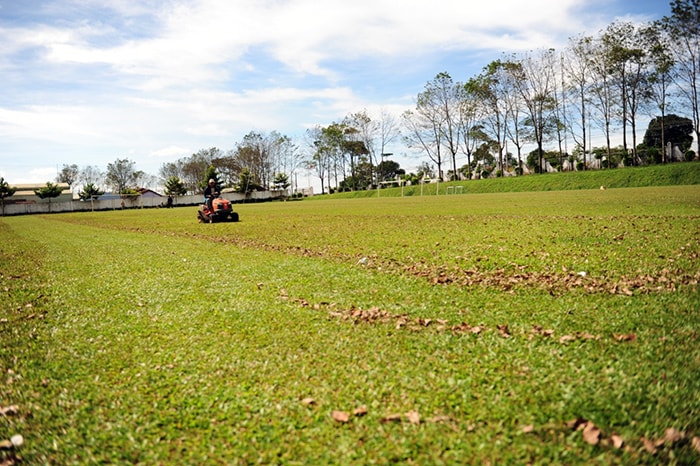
(90,191)
(388,170)
(5,191)
(209,174)
(675,129)
(175,187)
(281,181)
(49,192)
(247,182)
(122,175)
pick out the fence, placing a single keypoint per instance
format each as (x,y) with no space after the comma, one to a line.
(138,202)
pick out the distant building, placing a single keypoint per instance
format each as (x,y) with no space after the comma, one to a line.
(145,192)
(25,194)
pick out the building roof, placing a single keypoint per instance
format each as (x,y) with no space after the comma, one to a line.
(27,189)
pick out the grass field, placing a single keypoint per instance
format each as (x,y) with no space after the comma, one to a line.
(672,174)
(506,328)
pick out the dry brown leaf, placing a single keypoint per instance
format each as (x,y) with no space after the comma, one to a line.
(566,338)
(413,417)
(591,433)
(9,410)
(617,441)
(439,419)
(695,442)
(574,424)
(625,336)
(528,428)
(308,401)
(673,435)
(391,418)
(649,445)
(341,416)
(361,411)
(503,329)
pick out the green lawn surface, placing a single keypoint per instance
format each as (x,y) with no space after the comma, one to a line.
(555,327)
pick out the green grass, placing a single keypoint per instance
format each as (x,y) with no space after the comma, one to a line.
(143,337)
(675,174)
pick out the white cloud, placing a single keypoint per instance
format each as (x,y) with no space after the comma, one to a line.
(171,152)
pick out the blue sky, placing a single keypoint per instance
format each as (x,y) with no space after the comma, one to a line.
(89,81)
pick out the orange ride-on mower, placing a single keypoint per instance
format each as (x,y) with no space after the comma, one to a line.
(222,211)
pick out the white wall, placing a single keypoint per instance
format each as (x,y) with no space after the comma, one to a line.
(129,203)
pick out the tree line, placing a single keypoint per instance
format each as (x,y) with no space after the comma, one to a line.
(548,98)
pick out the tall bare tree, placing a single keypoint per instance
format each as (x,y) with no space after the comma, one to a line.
(684,27)
(535,80)
(471,131)
(435,123)
(375,134)
(423,134)
(69,175)
(661,76)
(578,71)
(492,87)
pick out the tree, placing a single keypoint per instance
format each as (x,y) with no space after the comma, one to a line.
(246,182)
(355,148)
(191,170)
(672,129)
(68,174)
(684,27)
(533,78)
(263,155)
(175,187)
(471,131)
(436,122)
(662,74)
(328,146)
(90,192)
(389,170)
(122,175)
(492,88)
(578,69)
(604,101)
(281,181)
(91,174)
(447,97)
(627,64)
(209,174)
(49,192)
(5,191)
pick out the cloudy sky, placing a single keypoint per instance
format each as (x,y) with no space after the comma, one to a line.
(87,82)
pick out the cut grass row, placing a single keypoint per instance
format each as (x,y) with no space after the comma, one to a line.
(144,337)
